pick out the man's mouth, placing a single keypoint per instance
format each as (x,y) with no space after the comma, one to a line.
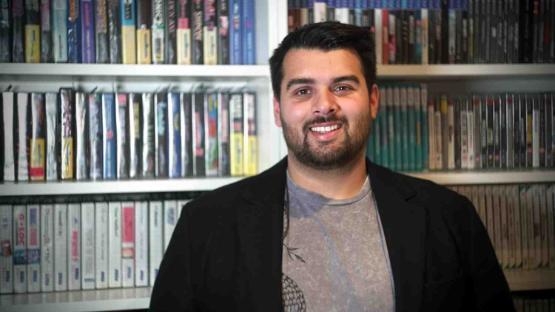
(325,129)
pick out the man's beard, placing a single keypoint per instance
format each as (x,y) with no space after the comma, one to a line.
(321,156)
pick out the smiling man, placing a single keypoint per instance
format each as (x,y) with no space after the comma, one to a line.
(325,229)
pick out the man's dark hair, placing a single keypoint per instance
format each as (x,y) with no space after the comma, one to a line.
(326,36)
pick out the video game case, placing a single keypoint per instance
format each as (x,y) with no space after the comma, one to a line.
(141,243)
(249,32)
(122,135)
(52,138)
(535,131)
(186,134)
(114,31)
(20,249)
(101,244)
(37,143)
(73,32)
(174,135)
(509,122)
(59,30)
(109,136)
(22,136)
(155,238)
(135,138)
(114,245)
(236,144)
(128,31)
(67,140)
(6,249)
(18,32)
(87,246)
(211,133)
(251,134)
(94,101)
(549,133)
(148,155)
(128,243)
(144,32)
(101,32)
(171,32)
(47,247)
(197,31)
(74,246)
(224,165)
(87,35)
(222,44)
(210,33)
(32,31)
(161,137)
(46,48)
(170,220)
(158,32)
(183,32)
(529,130)
(5,32)
(8,155)
(198,127)
(81,137)
(235,33)
(60,247)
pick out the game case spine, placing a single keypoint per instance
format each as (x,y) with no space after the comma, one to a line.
(101,32)
(20,248)
(74,32)
(52,138)
(148,138)
(67,113)
(211,133)
(47,247)
(128,32)
(46,49)
(183,32)
(60,247)
(96,134)
(114,31)
(174,135)
(135,141)
(222,43)
(171,32)
(236,134)
(141,243)
(18,12)
(59,30)
(37,146)
(223,134)
(156,250)
(81,137)
(5,32)
(186,134)
(6,249)
(144,32)
(32,31)
(197,30)
(122,137)
(210,33)
(109,136)
(128,250)
(8,165)
(101,244)
(87,246)
(161,137)
(33,248)
(198,126)
(158,32)
(74,246)
(22,137)
(114,245)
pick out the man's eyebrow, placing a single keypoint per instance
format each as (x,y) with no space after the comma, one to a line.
(295,81)
(352,78)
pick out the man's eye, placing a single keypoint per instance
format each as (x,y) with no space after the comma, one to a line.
(302,92)
(343,88)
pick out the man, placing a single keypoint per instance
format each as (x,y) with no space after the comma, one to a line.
(325,229)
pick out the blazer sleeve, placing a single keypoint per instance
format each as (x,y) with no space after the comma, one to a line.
(173,289)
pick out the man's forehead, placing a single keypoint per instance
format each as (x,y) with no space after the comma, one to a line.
(313,61)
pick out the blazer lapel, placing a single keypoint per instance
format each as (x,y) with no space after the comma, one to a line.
(404,226)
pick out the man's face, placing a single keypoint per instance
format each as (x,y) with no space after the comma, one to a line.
(325,109)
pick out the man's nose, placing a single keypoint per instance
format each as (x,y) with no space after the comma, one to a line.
(325,104)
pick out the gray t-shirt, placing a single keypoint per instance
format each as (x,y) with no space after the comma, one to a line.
(334,255)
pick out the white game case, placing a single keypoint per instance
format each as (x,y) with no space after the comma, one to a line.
(33,248)
(87,246)
(20,248)
(128,244)
(47,247)
(101,244)
(22,150)
(8,132)
(60,247)
(170,220)
(114,244)
(74,246)
(6,245)
(155,239)
(141,243)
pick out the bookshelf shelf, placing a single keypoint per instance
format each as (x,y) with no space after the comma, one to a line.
(530,280)
(464,71)
(488,177)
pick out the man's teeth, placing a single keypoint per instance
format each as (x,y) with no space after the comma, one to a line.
(324,129)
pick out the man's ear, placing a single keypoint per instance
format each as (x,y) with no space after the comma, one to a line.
(277,112)
(374,98)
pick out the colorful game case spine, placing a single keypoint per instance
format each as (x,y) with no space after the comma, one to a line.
(171,32)
(222,17)
(211,132)
(183,32)
(135,139)
(114,245)
(101,244)
(196,28)
(158,32)
(47,247)
(46,49)
(144,33)
(128,32)
(81,137)
(5,32)
(128,244)
(59,30)
(198,127)
(60,247)
(37,150)
(248,29)
(236,134)
(74,246)
(18,11)
(251,134)
(88,48)
(95,135)
(114,31)
(235,35)
(210,33)
(223,134)
(170,220)
(148,155)
(186,135)
(161,137)
(122,137)
(33,248)
(174,133)
(141,243)
(20,249)
(6,249)
(22,137)
(8,155)
(156,250)
(87,246)
(109,136)
(67,101)
(73,32)
(101,32)
(32,31)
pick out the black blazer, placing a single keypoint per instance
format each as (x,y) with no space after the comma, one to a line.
(226,251)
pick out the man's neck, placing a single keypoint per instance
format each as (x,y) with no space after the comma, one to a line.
(340,183)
